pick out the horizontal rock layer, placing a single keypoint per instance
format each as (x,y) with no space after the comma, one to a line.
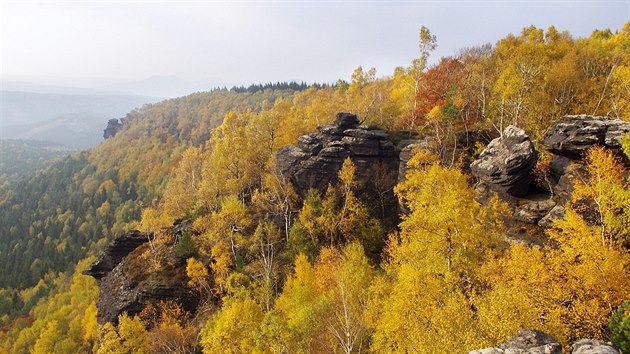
(573,135)
(316,159)
(506,164)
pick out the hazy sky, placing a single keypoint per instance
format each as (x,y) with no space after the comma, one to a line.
(75,42)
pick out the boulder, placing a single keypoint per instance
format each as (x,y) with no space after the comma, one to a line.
(345,120)
(573,135)
(506,164)
(526,341)
(593,346)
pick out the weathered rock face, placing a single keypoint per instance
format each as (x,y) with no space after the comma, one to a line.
(529,341)
(526,341)
(573,135)
(593,346)
(115,253)
(316,159)
(534,209)
(506,164)
(128,285)
(123,291)
(557,212)
(113,127)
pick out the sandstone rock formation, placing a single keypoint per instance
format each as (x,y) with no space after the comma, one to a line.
(506,164)
(115,253)
(557,212)
(573,135)
(127,283)
(530,341)
(534,209)
(526,341)
(113,127)
(593,346)
(316,159)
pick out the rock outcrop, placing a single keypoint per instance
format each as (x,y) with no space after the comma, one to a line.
(534,209)
(128,283)
(316,159)
(115,253)
(113,126)
(526,341)
(573,135)
(506,164)
(593,346)
(530,341)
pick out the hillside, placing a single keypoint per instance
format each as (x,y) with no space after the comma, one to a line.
(58,216)
(20,158)
(269,221)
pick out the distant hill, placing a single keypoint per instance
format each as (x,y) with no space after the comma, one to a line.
(20,158)
(73,120)
(74,130)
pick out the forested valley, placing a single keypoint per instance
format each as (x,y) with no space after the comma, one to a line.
(428,263)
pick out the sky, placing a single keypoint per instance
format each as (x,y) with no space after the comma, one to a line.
(93,42)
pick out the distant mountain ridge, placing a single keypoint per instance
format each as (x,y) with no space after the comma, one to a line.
(73,120)
(79,130)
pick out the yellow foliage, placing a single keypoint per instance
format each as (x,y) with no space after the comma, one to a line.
(433,265)
(179,196)
(232,330)
(606,188)
(154,220)
(129,337)
(197,274)
(48,339)
(89,325)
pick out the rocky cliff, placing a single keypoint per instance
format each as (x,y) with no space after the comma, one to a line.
(317,158)
(133,274)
